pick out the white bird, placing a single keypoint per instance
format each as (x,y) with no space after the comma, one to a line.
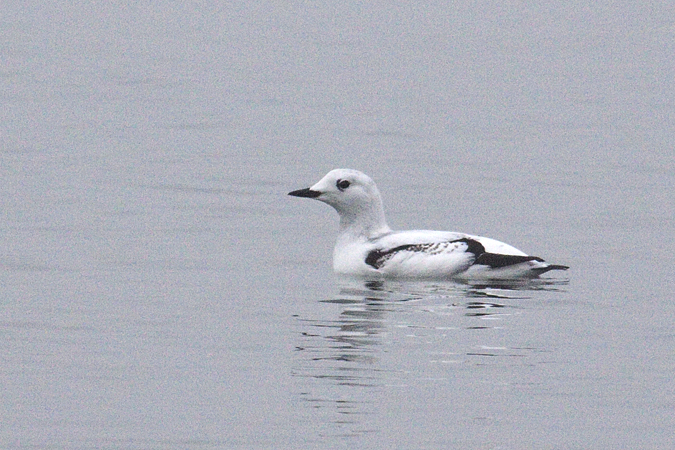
(367,247)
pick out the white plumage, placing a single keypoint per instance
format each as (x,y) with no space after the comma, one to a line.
(367,247)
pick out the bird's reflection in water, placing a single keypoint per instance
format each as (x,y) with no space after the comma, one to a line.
(351,337)
(338,360)
(339,352)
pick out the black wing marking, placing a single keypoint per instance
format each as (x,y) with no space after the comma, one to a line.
(496,260)
(377,258)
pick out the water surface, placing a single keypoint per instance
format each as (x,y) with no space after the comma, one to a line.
(160,290)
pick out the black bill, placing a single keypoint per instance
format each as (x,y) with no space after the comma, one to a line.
(307,192)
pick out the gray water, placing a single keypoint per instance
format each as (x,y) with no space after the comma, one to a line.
(159,290)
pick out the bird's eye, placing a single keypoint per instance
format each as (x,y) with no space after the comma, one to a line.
(343,184)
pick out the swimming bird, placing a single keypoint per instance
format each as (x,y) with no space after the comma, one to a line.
(367,247)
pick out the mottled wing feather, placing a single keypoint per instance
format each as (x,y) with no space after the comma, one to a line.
(377,258)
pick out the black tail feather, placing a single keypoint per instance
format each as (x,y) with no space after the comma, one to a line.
(550,267)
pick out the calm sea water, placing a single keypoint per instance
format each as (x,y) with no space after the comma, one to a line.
(159,290)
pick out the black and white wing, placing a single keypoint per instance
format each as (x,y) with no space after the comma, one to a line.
(445,255)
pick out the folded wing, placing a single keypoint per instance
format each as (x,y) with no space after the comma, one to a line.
(450,255)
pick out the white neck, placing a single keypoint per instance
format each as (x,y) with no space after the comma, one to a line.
(365,221)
